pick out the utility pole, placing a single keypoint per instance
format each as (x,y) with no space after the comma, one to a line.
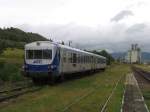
(70,42)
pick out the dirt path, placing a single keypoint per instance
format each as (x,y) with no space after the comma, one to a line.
(133,100)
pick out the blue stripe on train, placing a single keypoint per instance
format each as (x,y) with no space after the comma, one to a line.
(37,68)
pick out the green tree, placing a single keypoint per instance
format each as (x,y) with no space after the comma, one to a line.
(16,38)
(104,53)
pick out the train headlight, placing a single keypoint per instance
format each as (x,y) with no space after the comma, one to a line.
(49,67)
(24,67)
(53,66)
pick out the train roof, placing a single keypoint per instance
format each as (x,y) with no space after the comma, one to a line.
(41,44)
(48,44)
(82,51)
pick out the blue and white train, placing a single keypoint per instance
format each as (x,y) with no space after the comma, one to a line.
(45,59)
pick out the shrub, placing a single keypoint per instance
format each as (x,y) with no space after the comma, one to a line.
(10,72)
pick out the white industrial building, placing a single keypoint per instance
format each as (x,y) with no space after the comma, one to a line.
(134,55)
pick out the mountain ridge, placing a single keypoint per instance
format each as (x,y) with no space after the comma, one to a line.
(17,38)
(145,55)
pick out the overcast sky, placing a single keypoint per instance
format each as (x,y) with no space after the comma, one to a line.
(90,24)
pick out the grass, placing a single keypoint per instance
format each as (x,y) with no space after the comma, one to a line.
(144,67)
(10,72)
(146,94)
(57,98)
(13,55)
(11,61)
(117,97)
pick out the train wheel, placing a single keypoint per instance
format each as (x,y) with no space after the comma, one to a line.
(62,78)
(52,80)
(36,81)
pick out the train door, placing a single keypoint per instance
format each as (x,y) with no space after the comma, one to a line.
(75,61)
(69,63)
(59,55)
(63,61)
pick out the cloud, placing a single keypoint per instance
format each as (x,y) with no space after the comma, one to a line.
(137,28)
(121,15)
(88,28)
(139,33)
(114,38)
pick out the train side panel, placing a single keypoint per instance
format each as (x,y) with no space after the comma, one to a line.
(73,61)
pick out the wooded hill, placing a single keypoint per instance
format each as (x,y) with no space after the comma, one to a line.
(104,53)
(16,38)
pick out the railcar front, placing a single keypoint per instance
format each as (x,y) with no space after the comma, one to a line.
(41,60)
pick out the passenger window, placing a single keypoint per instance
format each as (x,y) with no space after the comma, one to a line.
(77,58)
(82,59)
(64,59)
(79,61)
(74,58)
(69,57)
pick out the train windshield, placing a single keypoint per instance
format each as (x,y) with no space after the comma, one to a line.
(38,54)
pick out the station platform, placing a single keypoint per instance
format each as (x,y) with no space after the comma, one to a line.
(133,100)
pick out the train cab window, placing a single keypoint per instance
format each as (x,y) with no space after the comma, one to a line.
(29,54)
(47,54)
(37,54)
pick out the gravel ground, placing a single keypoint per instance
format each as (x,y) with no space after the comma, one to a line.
(133,99)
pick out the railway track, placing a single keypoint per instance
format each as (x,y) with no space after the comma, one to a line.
(144,74)
(15,87)
(16,91)
(107,101)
